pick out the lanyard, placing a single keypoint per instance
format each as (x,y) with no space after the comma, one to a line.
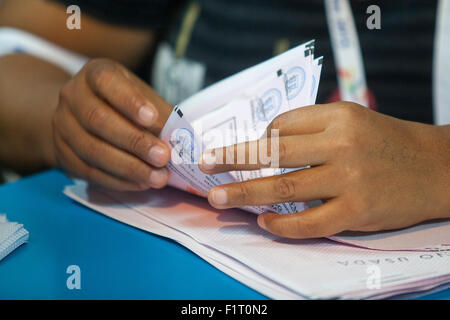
(441,65)
(350,67)
(347,52)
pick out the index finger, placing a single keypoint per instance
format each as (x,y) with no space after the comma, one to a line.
(284,152)
(304,120)
(108,81)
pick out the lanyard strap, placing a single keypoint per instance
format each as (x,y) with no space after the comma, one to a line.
(441,65)
(347,52)
(350,67)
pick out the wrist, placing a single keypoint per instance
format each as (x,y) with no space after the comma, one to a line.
(438,141)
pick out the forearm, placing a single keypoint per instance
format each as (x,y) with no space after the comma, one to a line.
(29,89)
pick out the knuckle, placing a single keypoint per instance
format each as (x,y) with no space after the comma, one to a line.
(88,173)
(138,142)
(347,139)
(64,93)
(134,99)
(351,116)
(96,117)
(284,188)
(243,193)
(87,150)
(102,72)
(282,151)
(349,112)
(275,124)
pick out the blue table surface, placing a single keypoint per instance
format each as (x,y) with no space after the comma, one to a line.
(116,261)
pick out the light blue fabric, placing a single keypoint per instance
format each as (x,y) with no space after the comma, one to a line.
(12,235)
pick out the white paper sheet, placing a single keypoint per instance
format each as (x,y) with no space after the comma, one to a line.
(429,236)
(279,268)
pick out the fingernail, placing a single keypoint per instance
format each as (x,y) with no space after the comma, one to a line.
(219,197)
(208,161)
(146,115)
(158,177)
(262,223)
(157,155)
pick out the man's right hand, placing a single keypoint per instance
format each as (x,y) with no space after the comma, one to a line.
(105,128)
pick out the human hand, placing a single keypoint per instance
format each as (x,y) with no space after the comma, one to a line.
(374,172)
(105,128)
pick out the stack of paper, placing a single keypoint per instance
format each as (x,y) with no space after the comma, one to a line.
(231,239)
(279,268)
(12,235)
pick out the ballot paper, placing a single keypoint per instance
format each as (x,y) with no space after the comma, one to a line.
(348,265)
(239,109)
(279,268)
(427,236)
(12,235)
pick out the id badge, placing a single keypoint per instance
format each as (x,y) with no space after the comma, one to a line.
(176,79)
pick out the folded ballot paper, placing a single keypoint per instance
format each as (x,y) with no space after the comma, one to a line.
(12,235)
(239,109)
(351,265)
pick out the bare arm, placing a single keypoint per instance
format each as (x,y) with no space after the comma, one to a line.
(29,87)
(28,96)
